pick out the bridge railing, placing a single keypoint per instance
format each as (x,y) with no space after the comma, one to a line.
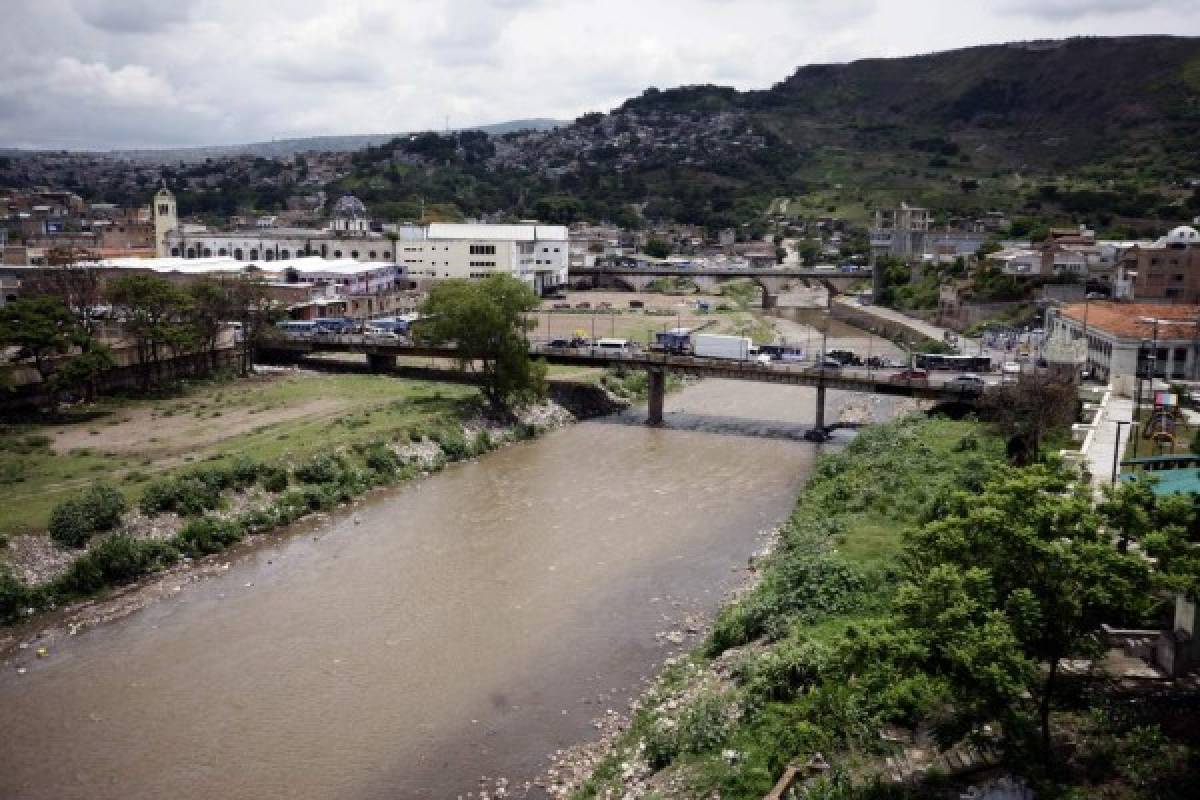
(637,356)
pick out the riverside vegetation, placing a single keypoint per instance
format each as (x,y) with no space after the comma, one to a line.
(917,592)
(386,431)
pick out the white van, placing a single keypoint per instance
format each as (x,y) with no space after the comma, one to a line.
(613,345)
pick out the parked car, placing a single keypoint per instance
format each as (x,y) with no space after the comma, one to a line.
(559,343)
(381,333)
(829,363)
(845,358)
(763,358)
(966,382)
(910,376)
(881,362)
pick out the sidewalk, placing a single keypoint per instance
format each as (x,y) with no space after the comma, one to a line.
(1104,439)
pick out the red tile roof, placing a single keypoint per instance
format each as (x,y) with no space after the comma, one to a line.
(1122,319)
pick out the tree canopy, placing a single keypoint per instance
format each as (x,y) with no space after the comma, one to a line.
(1007,583)
(485,320)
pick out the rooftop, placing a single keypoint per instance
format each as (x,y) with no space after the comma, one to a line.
(200,266)
(1123,319)
(515,233)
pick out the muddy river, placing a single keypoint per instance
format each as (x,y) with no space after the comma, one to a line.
(466,625)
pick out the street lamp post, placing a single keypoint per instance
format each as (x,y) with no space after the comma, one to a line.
(1117,446)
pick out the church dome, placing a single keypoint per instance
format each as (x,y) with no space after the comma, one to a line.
(1183,235)
(349,206)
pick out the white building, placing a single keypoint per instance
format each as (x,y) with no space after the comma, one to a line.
(349,236)
(536,254)
(1111,339)
(344,275)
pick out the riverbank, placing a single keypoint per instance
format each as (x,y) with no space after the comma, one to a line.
(392,431)
(463,625)
(765,689)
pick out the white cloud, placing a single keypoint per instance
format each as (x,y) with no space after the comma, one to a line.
(1074,9)
(131,85)
(219,71)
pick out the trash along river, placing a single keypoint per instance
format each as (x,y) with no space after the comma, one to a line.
(460,628)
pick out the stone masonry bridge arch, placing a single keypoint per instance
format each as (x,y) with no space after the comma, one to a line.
(771,281)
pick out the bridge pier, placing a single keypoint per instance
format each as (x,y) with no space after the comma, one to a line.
(380,362)
(656,396)
(818,433)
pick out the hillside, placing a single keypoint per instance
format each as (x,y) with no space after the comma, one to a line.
(284,148)
(1095,130)
(964,129)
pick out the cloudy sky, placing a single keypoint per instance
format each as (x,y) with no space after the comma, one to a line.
(140,73)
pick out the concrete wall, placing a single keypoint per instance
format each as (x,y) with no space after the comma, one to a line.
(892,329)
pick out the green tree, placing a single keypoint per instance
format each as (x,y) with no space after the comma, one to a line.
(485,320)
(1007,583)
(153,312)
(210,307)
(254,309)
(44,330)
(81,373)
(656,248)
(1030,408)
(1165,526)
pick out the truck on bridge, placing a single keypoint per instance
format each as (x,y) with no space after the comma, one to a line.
(711,345)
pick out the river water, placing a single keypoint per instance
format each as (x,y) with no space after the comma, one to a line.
(462,626)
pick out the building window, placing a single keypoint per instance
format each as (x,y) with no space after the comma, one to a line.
(354,254)
(337,253)
(371,255)
(237,253)
(222,252)
(254,254)
(191,252)
(284,254)
(175,251)
(483,249)
(163,208)
(269,255)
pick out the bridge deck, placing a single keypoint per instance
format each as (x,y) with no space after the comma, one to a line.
(876,381)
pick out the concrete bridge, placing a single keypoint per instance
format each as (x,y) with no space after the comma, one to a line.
(382,356)
(771,280)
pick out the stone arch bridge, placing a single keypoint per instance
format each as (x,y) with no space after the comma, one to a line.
(772,281)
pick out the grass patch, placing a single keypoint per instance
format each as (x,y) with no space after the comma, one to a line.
(808,675)
(34,478)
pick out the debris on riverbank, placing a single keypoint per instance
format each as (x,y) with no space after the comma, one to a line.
(40,564)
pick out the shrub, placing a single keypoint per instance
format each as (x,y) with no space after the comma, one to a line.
(483,442)
(380,458)
(523,431)
(453,443)
(14,596)
(69,524)
(273,478)
(245,471)
(192,493)
(208,535)
(106,505)
(115,560)
(319,469)
(73,521)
